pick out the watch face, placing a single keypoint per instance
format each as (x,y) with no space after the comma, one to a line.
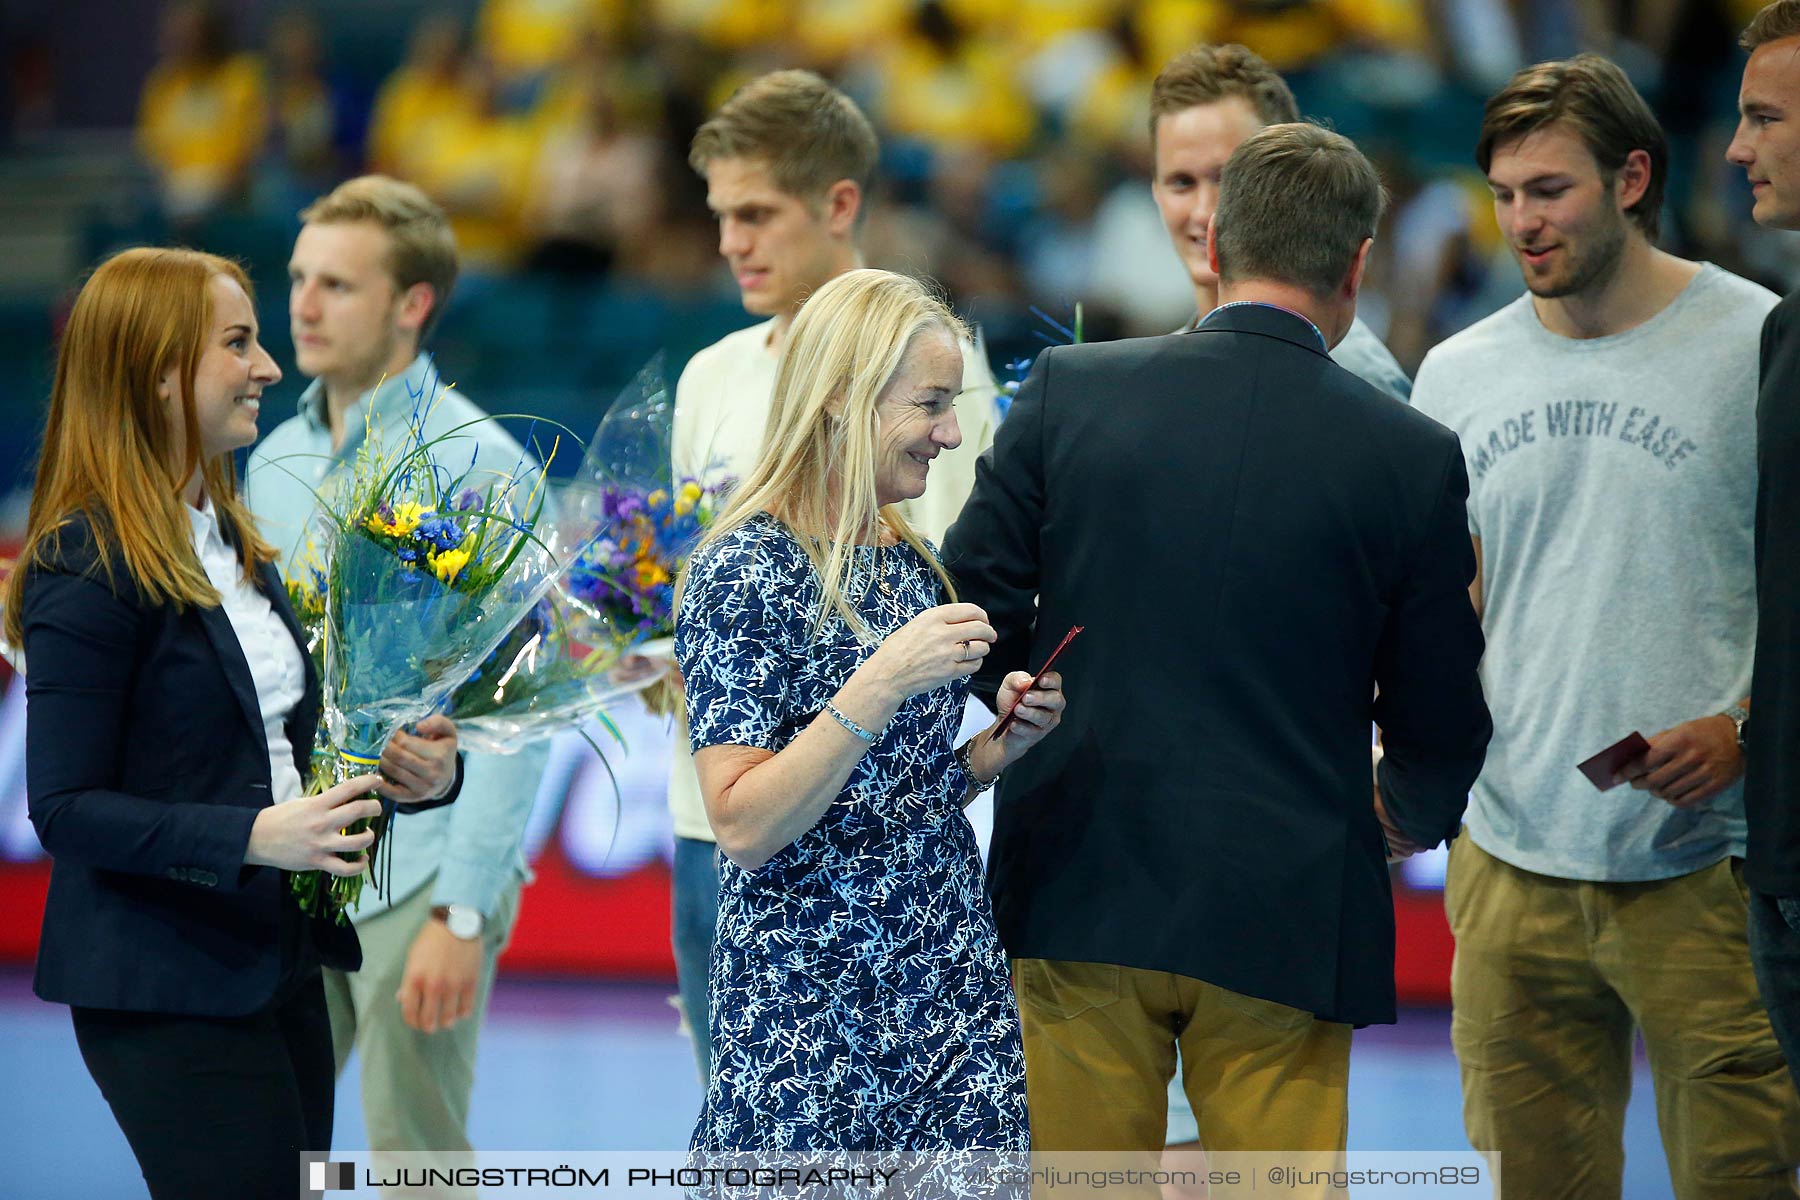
(464,923)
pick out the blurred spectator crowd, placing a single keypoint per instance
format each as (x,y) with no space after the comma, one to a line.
(1015,150)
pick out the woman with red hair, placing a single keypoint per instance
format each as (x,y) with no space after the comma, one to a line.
(171,716)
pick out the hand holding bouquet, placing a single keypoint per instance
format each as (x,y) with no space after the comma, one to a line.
(416,573)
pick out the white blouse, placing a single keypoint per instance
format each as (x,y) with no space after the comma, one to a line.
(270,650)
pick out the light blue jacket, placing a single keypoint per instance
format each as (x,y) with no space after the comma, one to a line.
(472,847)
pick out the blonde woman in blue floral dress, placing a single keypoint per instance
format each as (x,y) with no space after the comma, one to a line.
(861,998)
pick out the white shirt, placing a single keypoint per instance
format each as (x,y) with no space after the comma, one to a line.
(270,650)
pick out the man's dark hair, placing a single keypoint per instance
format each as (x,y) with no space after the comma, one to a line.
(1296,202)
(1593,98)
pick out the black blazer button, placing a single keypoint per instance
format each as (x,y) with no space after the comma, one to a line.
(208,878)
(173,872)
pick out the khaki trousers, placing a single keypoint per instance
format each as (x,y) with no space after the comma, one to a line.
(415,1086)
(1100,1050)
(1551,976)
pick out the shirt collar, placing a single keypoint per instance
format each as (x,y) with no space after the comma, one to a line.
(393,399)
(204,522)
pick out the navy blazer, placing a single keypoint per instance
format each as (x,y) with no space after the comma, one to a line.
(146,764)
(1254,539)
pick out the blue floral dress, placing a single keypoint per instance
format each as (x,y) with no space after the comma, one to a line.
(860,997)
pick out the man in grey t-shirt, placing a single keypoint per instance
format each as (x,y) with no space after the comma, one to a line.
(1608,423)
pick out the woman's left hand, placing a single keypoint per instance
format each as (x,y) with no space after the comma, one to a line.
(1039,711)
(421,765)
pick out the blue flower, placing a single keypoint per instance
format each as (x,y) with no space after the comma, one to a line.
(466,499)
(441,532)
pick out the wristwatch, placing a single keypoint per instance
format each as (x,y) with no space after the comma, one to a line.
(464,922)
(1738,715)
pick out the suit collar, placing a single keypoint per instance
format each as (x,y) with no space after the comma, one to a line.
(1269,320)
(231,657)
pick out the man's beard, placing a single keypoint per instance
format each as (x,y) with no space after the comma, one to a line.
(1589,269)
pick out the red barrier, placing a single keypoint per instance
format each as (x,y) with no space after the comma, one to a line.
(576,924)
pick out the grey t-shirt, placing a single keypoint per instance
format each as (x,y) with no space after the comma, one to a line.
(1612,482)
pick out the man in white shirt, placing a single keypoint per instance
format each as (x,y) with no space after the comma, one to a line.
(787,162)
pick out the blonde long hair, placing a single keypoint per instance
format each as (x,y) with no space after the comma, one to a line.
(816,468)
(111,451)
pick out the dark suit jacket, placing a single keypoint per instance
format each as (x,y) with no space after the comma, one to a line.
(1254,539)
(146,765)
(1772,735)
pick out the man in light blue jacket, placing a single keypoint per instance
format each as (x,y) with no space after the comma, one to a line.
(371,269)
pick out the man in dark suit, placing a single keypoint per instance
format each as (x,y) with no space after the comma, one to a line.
(1767,146)
(1255,541)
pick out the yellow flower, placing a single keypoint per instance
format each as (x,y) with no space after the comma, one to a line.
(650,573)
(406,518)
(446,564)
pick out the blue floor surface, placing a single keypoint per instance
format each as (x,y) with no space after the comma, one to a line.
(602,1066)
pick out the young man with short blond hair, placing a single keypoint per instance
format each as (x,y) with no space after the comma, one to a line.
(369,275)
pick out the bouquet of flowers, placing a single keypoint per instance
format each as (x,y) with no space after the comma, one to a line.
(643,520)
(413,577)
(1021,367)
(627,574)
(549,674)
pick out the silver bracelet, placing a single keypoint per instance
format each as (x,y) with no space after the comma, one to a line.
(965,758)
(867,736)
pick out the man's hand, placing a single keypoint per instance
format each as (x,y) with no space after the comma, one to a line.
(437,989)
(420,765)
(1399,845)
(1690,763)
(1035,713)
(658,680)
